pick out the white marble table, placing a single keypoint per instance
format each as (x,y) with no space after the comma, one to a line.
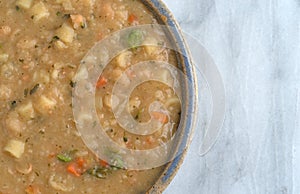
(256,46)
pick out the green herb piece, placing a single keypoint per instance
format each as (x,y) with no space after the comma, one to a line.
(116,161)
(67,16)
(64,157)
(55,38)
(99,172)
(139,113)
(58,13)
(135,38)
(13,104)
(161,43)
(17,8)
(72,84)
(25,92)
(83,25)
(34,89)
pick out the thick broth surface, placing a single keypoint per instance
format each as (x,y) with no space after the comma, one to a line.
(41,46)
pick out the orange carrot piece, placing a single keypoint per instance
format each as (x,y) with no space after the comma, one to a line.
(81,162)
(132,19)
(77,167)
(51,155)
(32,190)
(163,118)
(73,169)
(101,82)
(78,21)
(103,163)
(149,140)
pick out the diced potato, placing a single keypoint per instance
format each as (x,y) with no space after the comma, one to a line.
(26,111)
(14,124)
(159,95)
(66,33)
(149,43)
(39,11)
(3,58)
(60,45)
(26,4)
(124,59)
(45,105)
(67,5)
(117,72)
(5,92)
(15,148)
(41,76)
(60,183)
(107,100)
(172,101)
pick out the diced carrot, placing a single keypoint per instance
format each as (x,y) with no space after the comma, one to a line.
(149,140)
(101,82)
(78,21)
(51,155)
(78,167)
(103,163)
(81,162)
(73,169)
(31,189)
(132,19)
(129,145)
(163,118)
(99,36)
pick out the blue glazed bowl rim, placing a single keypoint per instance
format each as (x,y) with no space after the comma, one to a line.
(159,9)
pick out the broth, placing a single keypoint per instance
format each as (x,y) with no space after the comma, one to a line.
(41,45)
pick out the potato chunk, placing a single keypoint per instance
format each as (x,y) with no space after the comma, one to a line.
(124,59)
(39,11)
(26,111)
(150,45)
(45,105)
(3,58)
(13,123)
(26,4)
(15,148)
(65,33)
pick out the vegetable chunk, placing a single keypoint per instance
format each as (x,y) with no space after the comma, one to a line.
(65,33)
(15,148)
(39,11)
(26,4)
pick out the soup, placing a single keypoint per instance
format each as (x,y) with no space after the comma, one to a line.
(41,46)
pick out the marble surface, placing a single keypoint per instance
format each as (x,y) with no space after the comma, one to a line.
(256,46)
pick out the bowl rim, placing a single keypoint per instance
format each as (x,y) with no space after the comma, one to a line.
(164,15)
